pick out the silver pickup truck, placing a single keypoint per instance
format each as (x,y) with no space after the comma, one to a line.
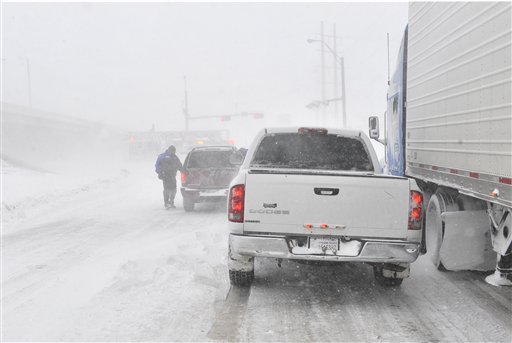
(319,195)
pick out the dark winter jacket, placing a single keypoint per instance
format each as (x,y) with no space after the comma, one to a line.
(167,164)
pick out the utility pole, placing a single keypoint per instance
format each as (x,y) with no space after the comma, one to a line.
(388,59)
(322,57)
(335,80)
(185,108)
(29,84)
(344,104)
(325,102)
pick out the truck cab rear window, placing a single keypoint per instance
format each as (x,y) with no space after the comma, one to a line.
(306,151)
(209,159)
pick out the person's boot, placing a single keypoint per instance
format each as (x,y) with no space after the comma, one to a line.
(171,198)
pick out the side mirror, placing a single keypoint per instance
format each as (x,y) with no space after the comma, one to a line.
(373,130)
(236,158)
(373,127)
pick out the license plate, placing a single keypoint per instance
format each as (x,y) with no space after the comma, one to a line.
(325,244)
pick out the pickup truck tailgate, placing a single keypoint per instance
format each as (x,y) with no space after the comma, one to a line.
(210,177)
(346,205)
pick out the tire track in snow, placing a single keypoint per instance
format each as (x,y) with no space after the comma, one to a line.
(342,303)
(229,318)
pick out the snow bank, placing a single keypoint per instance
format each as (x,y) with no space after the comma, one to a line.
(27,192)
(46,157)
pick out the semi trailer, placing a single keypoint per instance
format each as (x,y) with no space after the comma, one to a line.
(448,125)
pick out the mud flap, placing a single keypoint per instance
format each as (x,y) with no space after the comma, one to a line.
(395,274)
(467,242)
(240,262)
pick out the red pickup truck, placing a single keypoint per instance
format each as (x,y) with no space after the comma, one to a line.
(207,173)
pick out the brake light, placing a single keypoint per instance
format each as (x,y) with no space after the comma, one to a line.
(236,204)
(184,178)
(310,130)
(415,211)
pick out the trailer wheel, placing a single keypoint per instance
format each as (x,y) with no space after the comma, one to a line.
(434,227)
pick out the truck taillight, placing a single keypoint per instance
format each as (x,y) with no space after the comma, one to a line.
(184,178)
(415,211)
(236,204)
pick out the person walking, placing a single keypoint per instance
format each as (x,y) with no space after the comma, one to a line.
(166,166)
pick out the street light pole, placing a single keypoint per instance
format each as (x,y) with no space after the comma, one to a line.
(335,76)
(322,58)
(344,103)
(29,84)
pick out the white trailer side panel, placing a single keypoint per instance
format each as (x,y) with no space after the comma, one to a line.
(459,114)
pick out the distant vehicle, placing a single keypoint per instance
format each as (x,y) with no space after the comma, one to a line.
(148,143)
(448,125)
(145,144)
(319,195)
(207,172)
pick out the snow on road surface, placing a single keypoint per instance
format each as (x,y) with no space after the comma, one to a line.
(107,262)
(99,259)
(333,303)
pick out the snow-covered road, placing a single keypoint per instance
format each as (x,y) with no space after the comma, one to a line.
(106,262)
(341,303)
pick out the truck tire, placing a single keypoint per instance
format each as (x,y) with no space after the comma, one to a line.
(188,204)
(385,281)
(434,226)
(241,278)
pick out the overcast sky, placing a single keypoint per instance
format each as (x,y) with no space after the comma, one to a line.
(124,63)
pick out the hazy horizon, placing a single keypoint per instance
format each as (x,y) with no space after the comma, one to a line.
(124,64)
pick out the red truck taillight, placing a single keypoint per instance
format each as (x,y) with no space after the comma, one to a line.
(415,211)
(184,178)
(236,204)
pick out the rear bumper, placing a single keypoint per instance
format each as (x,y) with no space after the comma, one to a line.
(204,194)
(378,251)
